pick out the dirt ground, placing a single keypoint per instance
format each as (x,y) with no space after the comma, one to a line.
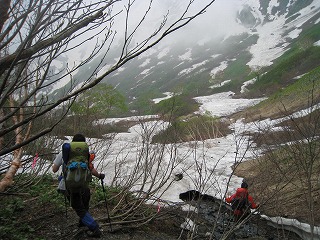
(49,223)
(279,196)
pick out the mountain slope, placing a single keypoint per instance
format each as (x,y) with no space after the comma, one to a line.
(262,32)
(270,30)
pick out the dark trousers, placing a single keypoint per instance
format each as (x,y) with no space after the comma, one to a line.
(80,201)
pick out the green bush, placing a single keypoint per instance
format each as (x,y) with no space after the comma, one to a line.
(178,105)
(195,129)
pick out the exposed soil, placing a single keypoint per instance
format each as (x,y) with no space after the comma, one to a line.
(280,195)
(283,189)
(46,222)
(279,180)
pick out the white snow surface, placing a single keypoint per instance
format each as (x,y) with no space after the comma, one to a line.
(216,155)
(168,95)
(271,43)
(187,55)
(302,229)
(193,67)
(116,120)
(223,65)
(245,84)
(219,153)
(222,104)
(220,84)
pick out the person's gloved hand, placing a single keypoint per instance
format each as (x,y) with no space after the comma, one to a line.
(92,156)
(102,176)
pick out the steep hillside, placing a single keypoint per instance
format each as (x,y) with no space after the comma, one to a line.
(301,94)
(269,41)
(282,33)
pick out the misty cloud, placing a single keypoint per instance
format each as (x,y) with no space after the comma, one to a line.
(218,21)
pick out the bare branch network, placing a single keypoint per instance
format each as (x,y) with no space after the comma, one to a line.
(38,43)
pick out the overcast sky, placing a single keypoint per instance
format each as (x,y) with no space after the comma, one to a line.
(219,18)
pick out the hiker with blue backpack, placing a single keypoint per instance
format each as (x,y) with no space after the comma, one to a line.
(77,172)
(241,202)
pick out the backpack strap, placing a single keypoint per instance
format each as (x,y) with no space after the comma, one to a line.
(66,152)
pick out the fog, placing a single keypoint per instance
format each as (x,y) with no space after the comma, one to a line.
(216,22)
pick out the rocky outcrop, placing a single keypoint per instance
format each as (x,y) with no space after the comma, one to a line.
(212,217)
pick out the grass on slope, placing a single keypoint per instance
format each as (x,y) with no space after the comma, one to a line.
(283,73)
(297,96)
(302,57)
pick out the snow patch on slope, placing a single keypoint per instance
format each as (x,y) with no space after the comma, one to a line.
(222,104)
(272,41)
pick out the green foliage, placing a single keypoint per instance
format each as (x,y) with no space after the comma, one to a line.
(282,74)
(43,190)
(294,97)
(10,207)
(16,231)
(302,43)
(22,215)
(100,196)
(143,103)
(196,128)
(238,69)
(14,212)
(313,33)
(102,100)
(178,105)
(301,88)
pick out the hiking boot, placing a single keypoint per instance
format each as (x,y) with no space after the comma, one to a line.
(94,233)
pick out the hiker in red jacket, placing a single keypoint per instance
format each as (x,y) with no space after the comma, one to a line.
(241,202)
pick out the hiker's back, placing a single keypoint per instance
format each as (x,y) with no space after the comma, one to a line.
(77,173)
(240,201)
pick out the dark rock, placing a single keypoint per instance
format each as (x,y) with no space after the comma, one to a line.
(214,217)
(194,195)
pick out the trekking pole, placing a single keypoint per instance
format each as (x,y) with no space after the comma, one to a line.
(66,205)
(105,200)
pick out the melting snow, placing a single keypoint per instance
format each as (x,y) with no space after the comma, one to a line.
(220,84)
(145,63)
(168,95)
(271,43)
(219,154)
(222,104)
(245,84)
(186,56)
(223,65)
(164,52)
(194,66)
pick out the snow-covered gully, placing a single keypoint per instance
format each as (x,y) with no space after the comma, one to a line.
(220,151)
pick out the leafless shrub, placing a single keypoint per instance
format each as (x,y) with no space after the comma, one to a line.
(35,35)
